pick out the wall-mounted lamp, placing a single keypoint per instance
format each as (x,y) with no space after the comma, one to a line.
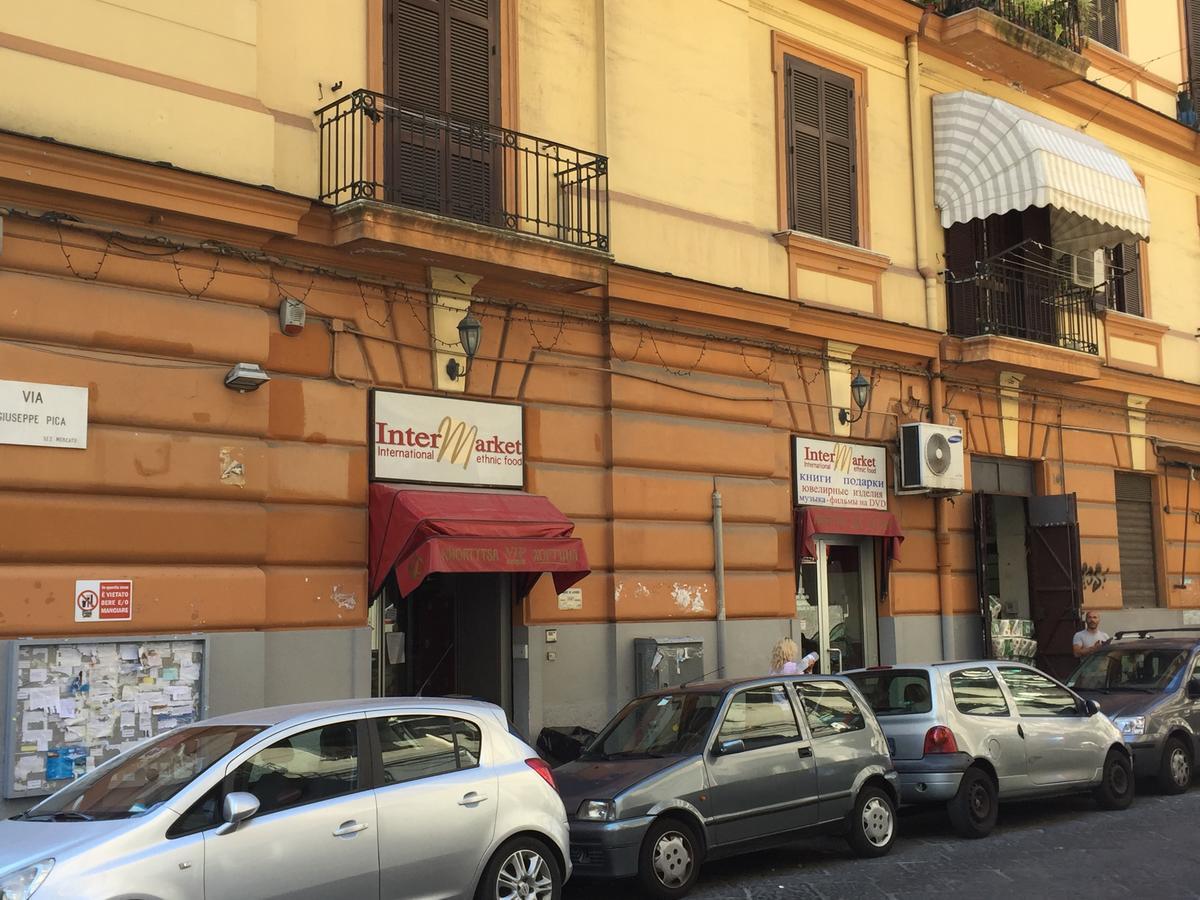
(246,377)
(469,332)
(860,393)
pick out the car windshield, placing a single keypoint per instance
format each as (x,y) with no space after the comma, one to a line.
(894,692)
(146,778)
(1127,669)
(662,725)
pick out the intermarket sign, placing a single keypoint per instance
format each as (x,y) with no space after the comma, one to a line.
(828,473)
(438,440)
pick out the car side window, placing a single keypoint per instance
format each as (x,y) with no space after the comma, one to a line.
(829,708)
(760,716)
(304,768)
(421,746)
(977,693)
(1037,695)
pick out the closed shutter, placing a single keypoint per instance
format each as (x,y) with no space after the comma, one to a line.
(1104,24)
(822,170)
(1128,259)
(1135,540)
(1193,48)
(964,248)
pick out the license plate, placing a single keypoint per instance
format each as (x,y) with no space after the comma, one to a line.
(892,746)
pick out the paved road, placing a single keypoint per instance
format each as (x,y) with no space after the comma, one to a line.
(1048,849)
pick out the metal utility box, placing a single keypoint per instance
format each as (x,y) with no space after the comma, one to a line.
(666,662)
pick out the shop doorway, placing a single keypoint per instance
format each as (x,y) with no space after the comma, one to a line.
(835,603)
(452,636)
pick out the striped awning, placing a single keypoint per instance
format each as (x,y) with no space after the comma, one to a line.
(991,157)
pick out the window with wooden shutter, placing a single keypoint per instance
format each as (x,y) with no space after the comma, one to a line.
(1125,292)
(1135,540)
(1192,8)
(822,152)
(1104,24)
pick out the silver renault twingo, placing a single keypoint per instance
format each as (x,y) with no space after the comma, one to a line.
(403,797)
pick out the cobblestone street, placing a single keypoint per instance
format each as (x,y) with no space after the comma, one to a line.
(1056,848)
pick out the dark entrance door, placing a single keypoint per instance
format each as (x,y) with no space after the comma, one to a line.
(1055,580)
(441,63)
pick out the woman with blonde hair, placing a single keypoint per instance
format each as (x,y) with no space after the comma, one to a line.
(783,659)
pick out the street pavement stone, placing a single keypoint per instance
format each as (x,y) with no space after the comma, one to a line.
(1045,849)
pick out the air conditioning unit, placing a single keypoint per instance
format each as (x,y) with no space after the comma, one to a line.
(931,458)
(1088,269)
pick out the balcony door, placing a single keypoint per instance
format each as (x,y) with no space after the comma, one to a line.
(442,71)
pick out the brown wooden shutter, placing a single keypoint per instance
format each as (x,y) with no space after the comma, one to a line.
(414,63)
(1193,48)
(1135,540)
(964,245)
(823,170)
(1131,282)
(1104,24)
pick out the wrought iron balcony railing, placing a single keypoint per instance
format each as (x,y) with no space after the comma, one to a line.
(1060,21)
(373,148)
(1023,293)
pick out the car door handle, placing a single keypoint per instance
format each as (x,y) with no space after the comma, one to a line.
(804,752)
(472,798)
(1020,730)
(348,828)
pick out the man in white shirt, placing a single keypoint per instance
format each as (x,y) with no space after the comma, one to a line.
(1091,639)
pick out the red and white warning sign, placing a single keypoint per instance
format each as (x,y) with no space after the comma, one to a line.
(104,601)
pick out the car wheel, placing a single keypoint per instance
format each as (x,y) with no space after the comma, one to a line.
(873,823)
(1175,772)
(974,808)
(669,863)
(1115,790)
(522,868)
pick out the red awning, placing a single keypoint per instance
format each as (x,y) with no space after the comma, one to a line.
(814,520)
(416,532)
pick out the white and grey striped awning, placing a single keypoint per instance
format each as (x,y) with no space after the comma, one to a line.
(991,157)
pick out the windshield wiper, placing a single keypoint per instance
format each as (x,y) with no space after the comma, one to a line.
(634,754)
(56,817)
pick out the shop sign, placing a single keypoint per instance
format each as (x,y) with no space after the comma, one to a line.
(43,415)
(832,473)
(108,600)
(438,440)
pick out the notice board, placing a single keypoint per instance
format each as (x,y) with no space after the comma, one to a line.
(75,704)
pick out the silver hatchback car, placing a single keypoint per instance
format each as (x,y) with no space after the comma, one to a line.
(968,734)
(412,798)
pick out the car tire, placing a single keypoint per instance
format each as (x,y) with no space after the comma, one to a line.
(974,808)
(1175,771)
(522,860)
(669,861)
(872,823)
(1115,790)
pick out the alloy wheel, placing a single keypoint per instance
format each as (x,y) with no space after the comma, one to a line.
(1181,767)
(673,859)
(524,876)
(877,821)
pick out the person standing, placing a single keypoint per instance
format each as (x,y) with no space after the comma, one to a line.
(784,662)
(1091,639)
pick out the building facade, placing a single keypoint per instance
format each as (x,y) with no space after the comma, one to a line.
(721,259)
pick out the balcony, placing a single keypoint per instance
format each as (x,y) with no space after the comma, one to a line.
(1023,297)
(376,151)
(1185,104)
(1036,43)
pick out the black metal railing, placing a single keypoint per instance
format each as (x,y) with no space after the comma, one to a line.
(373,148)
(1185,104)
(1060,21)
(1028,293)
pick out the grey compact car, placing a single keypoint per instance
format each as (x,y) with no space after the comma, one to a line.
(1150,688)
(398,798)
(687,774)
(968,734)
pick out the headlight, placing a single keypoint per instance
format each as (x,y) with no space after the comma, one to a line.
(21,884)
(591,811)
(1132,725)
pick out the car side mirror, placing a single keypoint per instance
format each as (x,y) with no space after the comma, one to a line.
(1091,707)
(727,747)
(238,807)
(1194,687)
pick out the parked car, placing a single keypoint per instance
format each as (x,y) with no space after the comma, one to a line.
(970,734)
(1150,688)
(404,797)
(708,770)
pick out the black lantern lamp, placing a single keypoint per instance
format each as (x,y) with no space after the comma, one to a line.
(860,393)
(469,332)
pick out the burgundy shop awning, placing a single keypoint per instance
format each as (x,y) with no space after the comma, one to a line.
(814,520)
(415,532)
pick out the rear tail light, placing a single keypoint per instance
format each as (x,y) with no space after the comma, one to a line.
(940,739)
(542,768)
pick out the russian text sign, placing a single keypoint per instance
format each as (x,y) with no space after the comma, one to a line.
(829,473)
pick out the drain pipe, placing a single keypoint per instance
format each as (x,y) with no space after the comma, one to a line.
(919,152)
(937,399)
(719,572)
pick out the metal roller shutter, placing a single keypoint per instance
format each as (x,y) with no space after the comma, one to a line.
(1135,538)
